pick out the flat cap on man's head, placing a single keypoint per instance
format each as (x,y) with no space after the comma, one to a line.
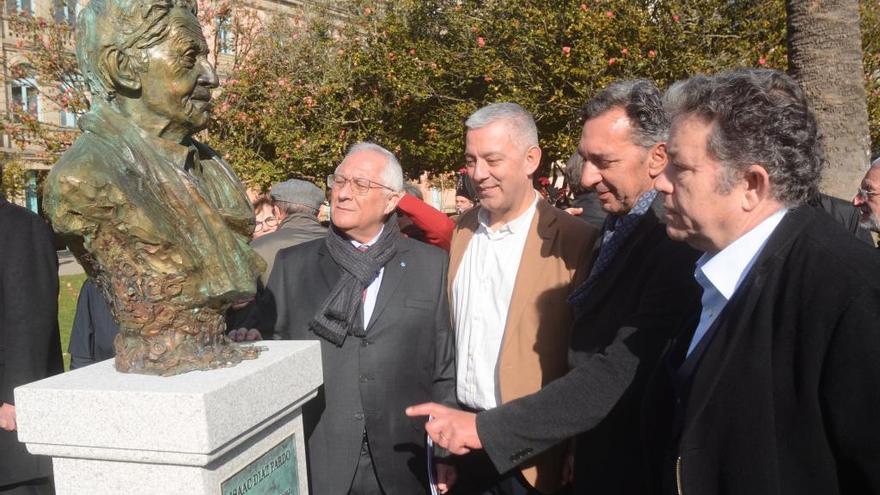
(298,192)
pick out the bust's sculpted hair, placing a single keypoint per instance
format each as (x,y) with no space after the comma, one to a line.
(117,32)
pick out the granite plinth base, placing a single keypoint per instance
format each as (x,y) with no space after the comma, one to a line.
(231,431)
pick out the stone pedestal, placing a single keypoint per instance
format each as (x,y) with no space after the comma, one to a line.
(231,431)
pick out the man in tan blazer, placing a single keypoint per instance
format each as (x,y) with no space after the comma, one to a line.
(514,261)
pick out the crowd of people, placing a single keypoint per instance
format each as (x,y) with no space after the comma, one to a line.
(712,329)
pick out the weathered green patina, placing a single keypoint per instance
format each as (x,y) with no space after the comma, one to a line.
(158,219)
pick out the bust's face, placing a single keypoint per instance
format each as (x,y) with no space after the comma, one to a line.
(176,84)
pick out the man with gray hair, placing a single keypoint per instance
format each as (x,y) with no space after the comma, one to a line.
(867,199)
(514,261)
(377,302)
(627,310)
(771,387)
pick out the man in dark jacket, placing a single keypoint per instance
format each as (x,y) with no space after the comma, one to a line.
(91,338)
(377,303)
(627,311)
(30,348)
(295,206)
(772,388)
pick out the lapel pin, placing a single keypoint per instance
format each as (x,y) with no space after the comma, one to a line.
(403,264)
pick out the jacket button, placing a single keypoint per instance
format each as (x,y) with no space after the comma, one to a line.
(358,416)
(365,342)
(365,378)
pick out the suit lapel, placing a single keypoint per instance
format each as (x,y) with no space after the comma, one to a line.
(330,272)
(393,273)
(464,232)
(734,322)
(608,278)
(539,244)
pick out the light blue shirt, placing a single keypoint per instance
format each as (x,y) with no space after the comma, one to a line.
(721,274)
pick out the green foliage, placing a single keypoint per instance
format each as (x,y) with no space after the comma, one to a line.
(407,73)
(13,180)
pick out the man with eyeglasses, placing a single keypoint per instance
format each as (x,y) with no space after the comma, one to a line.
(377,303)
(867,199)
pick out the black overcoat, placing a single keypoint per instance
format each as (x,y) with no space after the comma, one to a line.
(785,397)
(30,347)
(629,317)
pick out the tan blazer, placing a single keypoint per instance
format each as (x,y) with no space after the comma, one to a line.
(556,257)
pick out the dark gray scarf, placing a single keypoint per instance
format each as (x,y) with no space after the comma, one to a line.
(337,317)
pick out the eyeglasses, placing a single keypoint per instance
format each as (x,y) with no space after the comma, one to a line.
(359,185)
(266,223)
(865,194)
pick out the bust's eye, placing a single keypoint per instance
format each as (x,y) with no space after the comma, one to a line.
(189,57)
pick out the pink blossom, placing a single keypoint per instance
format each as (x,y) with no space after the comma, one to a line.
(652,53)
(481,42)
(584,7)
(609,14)
(676,18)
(625,51)
(566,50)
(611,61)
(762,61)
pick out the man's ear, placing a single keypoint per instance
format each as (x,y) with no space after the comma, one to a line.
(391,201)
(756,183)
(533,160)
(657,160)
(118,71)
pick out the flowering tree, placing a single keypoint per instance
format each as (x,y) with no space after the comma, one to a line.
(406,73)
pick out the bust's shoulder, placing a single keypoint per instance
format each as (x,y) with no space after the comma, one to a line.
(87,156)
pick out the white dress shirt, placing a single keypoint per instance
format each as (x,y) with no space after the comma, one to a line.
(721,274)
(373,288)
(481,296)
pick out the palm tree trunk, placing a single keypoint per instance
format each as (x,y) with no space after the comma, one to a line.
(825,56)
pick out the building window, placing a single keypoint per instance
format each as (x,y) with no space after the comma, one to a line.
(225,38)
(22,6)
(68,118)
(25,98)
(64,11)
(65,93)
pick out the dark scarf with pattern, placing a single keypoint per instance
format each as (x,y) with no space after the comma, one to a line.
(337,317)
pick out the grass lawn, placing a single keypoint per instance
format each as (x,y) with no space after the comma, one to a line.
(67,295)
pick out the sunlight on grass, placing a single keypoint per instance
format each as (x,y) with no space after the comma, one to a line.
(67,295)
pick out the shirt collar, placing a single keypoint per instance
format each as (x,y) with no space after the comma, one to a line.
(370,243)
(726,269)
(518,224)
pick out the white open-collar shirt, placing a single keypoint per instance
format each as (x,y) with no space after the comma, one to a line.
(481,296)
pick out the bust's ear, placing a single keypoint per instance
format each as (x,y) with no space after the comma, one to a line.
(117,70)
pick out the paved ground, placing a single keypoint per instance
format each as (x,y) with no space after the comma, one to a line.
(67,264)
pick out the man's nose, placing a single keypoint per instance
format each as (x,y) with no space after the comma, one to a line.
(662,183)
(479,172)
(590,176)
(857,200)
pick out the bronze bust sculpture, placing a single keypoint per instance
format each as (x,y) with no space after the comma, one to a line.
(158,219)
